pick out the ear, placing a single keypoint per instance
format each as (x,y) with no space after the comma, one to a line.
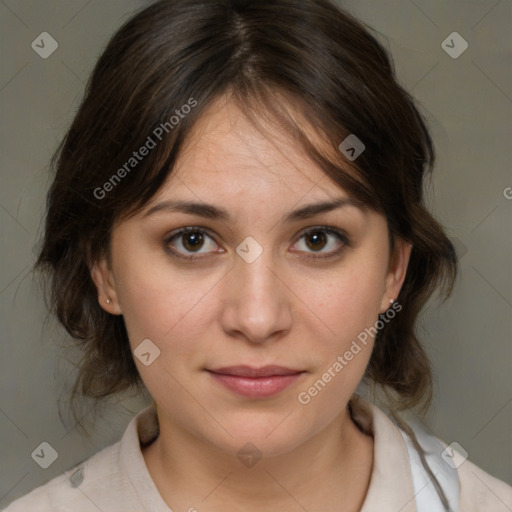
(397,271)
(103,278)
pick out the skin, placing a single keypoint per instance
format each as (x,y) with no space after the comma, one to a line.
(282,308)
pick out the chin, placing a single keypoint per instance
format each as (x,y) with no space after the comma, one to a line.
(270,434)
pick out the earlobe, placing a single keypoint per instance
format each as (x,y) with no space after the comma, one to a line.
(396,272)
(102,277)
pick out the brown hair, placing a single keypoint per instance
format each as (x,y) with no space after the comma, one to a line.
(271,57)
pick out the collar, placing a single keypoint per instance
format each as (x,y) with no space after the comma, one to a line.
(391,486)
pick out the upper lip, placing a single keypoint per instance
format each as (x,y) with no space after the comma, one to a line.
(250,371)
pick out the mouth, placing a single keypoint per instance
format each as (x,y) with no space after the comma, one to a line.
(254,382)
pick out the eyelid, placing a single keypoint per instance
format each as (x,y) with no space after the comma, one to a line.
(328,229)
(181,231)
(340,233)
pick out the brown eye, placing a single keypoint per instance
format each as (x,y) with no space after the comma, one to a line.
(189,241)
(316,240)
(320,238)
(192,241)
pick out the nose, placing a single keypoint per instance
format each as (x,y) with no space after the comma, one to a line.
(257,304)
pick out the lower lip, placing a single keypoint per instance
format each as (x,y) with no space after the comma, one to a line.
(256,387)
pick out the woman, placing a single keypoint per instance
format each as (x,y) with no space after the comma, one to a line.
(237,224)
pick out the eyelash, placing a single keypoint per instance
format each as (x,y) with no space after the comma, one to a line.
(326,229)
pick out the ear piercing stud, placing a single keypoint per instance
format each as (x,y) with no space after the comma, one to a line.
(108,301)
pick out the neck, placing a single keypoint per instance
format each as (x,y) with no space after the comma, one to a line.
(329,472)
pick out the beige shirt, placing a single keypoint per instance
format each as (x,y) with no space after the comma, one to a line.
(116,479)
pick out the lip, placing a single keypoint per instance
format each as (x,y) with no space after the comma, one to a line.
(254,382)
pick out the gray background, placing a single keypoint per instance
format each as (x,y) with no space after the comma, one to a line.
(468,104)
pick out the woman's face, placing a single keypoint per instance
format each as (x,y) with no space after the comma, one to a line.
(268,285)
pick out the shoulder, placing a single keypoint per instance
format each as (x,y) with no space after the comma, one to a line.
(114,479)
(477,490)
(71,490)
(481,491)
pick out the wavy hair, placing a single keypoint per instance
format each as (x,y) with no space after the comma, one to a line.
(278,60)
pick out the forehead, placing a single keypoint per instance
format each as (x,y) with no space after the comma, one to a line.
(226,156)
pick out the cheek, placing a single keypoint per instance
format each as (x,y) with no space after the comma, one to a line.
(350,311)
(157,300)
(349,302)
(168,308)
(349,305)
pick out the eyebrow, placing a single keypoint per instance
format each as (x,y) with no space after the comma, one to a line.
(210,211)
